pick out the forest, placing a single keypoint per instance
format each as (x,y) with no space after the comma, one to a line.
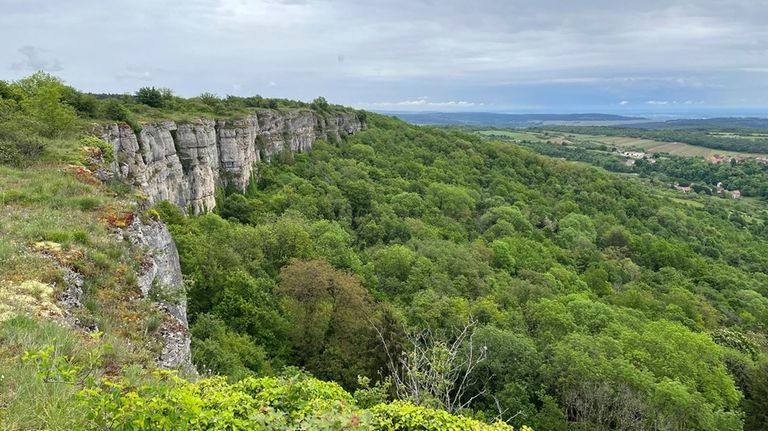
(600,305)
(402,277)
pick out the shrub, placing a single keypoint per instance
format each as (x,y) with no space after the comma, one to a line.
(115,110)
(104,148)
(17,150)
(150,96)
(292,401)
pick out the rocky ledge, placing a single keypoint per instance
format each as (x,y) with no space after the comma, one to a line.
(184,163)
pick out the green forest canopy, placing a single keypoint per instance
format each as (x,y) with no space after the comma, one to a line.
(591,292)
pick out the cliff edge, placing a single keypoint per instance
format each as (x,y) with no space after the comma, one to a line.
(184,163)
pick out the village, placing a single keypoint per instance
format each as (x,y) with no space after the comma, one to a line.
(696,188)
(633,156)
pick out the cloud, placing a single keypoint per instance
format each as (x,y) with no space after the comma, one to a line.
(134,74)
(624,102)
(674,102)
(549,52)
(423,103)
(35,60)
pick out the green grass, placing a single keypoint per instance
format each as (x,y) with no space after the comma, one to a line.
(50,202)
(27,402)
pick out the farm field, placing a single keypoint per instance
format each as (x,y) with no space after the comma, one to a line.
(648,145)
(651,146)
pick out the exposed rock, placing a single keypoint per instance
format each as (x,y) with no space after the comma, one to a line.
(162,279)
(185,163)
(69,298)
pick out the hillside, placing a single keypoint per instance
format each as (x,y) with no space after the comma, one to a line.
(413,271)
(93,321)
(511,120)
(707,123)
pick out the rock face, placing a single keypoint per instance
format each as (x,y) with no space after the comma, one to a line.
(161,279)
(184,163)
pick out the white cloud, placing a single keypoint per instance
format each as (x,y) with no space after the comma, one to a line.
(455,50)
(134,74)
(624,102)
(422,103)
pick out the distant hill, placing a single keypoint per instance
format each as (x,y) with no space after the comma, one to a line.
(706,123)
(514,120)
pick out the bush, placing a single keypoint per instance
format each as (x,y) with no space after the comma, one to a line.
(115,110)
(292,401)
(17,150)
(103,147)
(43,105)
(150,96)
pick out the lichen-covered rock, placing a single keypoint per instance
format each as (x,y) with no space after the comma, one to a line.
(184,163)
(29,297)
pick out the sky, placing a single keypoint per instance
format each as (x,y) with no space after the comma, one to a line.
(650,56)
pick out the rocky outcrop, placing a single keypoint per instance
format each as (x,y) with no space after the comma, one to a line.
(161,281)
(184,163)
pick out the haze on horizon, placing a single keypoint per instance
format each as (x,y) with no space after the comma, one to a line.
(451,55)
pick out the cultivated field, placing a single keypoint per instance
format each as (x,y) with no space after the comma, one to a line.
(627,143)
(677,148)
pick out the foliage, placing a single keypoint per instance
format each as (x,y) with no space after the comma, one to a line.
(151,96)
(435,228)
(292,401)
(43,108)
(328,314)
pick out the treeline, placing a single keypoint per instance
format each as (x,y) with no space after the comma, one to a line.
(596,304)
(701,137)
(593,156)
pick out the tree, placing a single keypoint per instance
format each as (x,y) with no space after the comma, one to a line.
(454,201)
(150,96)
(320,103)
(328,313)
(219,350)
(438,370)
(49,116)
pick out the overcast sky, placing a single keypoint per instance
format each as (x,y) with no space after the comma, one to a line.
(489,55)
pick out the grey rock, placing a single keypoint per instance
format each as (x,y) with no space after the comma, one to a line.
(161,279)
(185,163)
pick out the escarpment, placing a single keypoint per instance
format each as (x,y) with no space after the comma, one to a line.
(184,163)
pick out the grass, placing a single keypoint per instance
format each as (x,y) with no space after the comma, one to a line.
(26,400)
(53,216)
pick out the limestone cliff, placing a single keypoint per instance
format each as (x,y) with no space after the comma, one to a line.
(183,163)
(162,281)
